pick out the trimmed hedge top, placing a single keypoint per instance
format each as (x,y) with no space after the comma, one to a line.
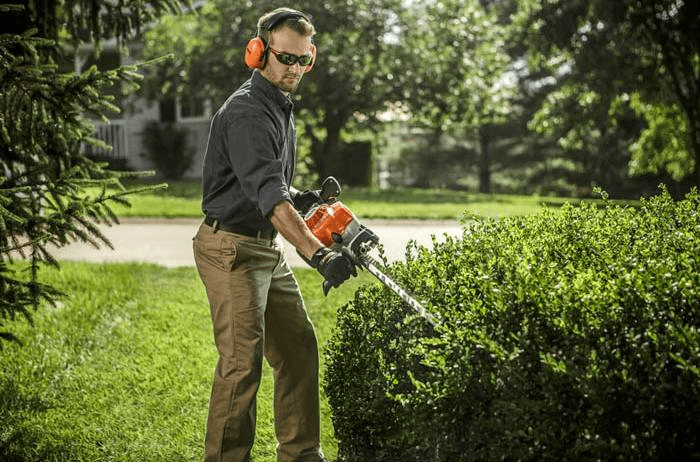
(567,336)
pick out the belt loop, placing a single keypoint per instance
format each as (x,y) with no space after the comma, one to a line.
(215,225)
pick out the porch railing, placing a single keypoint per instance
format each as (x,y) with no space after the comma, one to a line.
(113,134)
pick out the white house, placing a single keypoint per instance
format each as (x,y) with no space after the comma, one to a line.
(124,132)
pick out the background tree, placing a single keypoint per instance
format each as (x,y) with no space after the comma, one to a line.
(593,104)
(455,56)
(44,124)
(612,62)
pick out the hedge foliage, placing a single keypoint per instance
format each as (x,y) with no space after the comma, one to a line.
(569,335)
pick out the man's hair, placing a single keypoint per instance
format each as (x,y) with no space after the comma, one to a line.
(299,24)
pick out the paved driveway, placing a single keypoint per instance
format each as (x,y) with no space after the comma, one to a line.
(169,241)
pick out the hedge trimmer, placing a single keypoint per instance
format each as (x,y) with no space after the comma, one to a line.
(337,227)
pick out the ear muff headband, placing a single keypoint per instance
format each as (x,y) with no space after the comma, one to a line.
(256,51)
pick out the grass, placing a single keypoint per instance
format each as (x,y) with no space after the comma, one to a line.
(182,199)
(121,369)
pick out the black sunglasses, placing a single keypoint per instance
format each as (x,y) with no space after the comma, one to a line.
(289,59)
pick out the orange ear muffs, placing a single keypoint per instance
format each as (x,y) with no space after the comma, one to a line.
(256,50)
(255,53)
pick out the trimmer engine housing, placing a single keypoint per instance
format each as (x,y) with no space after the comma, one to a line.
(337,227)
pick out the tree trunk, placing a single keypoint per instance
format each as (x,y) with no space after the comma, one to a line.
(331,146)
(316,152)
(324,152)
(484,160)
(693,114)
(696,154)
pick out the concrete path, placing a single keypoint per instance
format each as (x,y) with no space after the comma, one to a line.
(169,241)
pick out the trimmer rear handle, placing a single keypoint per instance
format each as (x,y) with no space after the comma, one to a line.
(330,189)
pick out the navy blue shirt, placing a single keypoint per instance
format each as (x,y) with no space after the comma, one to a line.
(250,157)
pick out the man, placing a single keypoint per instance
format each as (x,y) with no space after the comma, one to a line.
(256,305)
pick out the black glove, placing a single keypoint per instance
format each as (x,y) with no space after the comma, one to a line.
(335,267)
(304,200)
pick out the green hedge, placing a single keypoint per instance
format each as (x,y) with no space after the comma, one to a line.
(566,336)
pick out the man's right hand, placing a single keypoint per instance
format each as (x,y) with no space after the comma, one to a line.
(335,267)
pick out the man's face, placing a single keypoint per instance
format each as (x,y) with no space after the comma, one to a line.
(283,76)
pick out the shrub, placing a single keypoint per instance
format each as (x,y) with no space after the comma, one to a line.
(166,146)
(566,336)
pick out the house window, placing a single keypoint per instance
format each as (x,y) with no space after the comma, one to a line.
(193,108)
(168,110)
(183,109)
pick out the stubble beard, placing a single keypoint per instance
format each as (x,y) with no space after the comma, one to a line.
(289,83)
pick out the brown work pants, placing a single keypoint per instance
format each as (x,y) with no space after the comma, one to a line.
(257,310)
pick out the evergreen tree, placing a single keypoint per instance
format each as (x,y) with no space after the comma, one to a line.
(51,193)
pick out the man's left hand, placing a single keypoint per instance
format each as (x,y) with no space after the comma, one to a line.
(335,267)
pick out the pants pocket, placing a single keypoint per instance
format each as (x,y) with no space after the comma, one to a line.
(229,252)
(216,250)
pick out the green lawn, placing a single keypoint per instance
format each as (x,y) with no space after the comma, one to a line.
(121,369)
(182,199)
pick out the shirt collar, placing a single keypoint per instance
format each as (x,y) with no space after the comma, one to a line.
(271,91)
